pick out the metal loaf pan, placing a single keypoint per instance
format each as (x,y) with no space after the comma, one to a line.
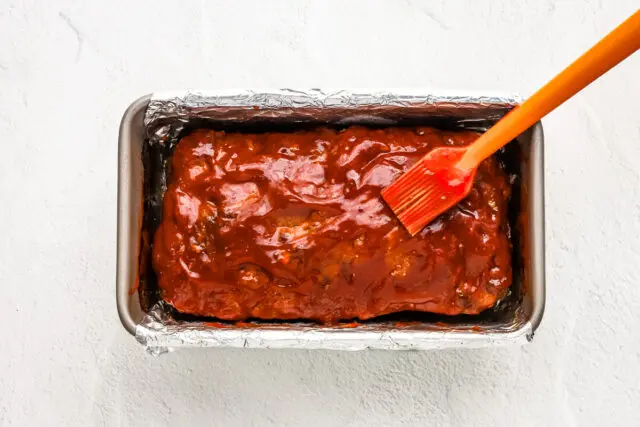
(163,118)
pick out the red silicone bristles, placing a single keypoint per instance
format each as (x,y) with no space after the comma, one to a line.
(426,190)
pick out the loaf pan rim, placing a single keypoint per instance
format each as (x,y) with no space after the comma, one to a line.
(131,315)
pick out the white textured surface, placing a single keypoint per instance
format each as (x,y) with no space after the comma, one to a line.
(68,69)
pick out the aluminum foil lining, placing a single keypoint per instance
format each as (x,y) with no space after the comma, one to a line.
(168,114)
(168,111)
(160,333)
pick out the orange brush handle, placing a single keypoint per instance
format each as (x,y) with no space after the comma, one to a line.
(616,46)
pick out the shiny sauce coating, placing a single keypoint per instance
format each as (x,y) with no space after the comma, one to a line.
(292,226)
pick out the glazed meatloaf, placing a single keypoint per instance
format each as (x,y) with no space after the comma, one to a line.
(292,226)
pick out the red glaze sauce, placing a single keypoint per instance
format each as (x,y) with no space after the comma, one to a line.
(292,226)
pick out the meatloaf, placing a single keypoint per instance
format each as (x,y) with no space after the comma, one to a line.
(292,226)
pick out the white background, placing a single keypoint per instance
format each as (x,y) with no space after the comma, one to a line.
(68,70)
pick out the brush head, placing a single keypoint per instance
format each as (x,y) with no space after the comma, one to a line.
(429,188)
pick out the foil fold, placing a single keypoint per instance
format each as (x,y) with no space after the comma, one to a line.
(160,333)
(169,112)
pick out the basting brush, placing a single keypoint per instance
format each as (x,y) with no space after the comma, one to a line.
(445,175)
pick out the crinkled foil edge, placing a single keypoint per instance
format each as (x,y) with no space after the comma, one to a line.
(169,112)
(160,333)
